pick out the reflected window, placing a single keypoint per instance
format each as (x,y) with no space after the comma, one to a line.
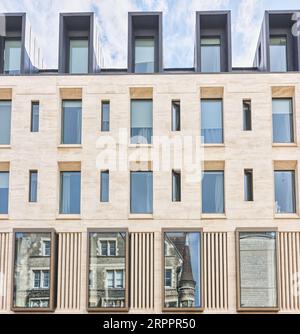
(144,55)
(107,262)
(141,122)
(12,56)
(210,54)
(5,122)
(182,267)
(285,192)
(4,192)
(211,121)
(141,192)
(32,271)
(71,122)
(70,192)
(258,269)
(278,54)
(282,114)
(79,56)
(213,192)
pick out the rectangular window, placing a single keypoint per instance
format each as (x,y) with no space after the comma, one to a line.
(247,117)
(183,258)
(35,116)
(213,192)
(283,127)
(141,192)
(28,257)
(210,54)
(104,187)
(212,121)
(12,56)
(46,248)
(175,115)
(144,55)
(141,121)
(176,186)
(33,182)
(248,185)
(70,193)
(110,283)
(79,56)
(278,54)
(285,192)
(257,270)
(71,121)
(105,111)
(5,122)
(4,186)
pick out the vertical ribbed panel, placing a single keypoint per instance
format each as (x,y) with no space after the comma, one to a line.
(4,254)
(215,283)
(141,271)
(69,271)
(289,269)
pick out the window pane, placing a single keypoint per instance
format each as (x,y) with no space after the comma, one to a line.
(258,281)
(35,111)
(112,248)
(104,186)
(248,185)
(4,179)
(210,55)
(278,59)
(33,179)
(141,192)
(285,194)
(247,116)
(105,116)
(213,192)
(27,278)
(176,116)
(211,121)
(71,122)
(141,121)
(144,55)
(12,56)
(5,122)
(283,129)
(79,52)
(70,193)
(182,290)
(176,186)
(108,289)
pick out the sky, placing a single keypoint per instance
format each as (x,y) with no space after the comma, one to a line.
(178,25)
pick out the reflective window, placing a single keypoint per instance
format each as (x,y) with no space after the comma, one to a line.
(285,193)
(141,192)
(211,121)
(35,116)
(70,193)
(141,121)
(104,186)
(175,115)
(71,122)
(105,111)
(5,122)
(210,54)
(32,270)
(247,118)
(144,55)
(176,186)
(33,182)
(248,185)
(182,267)
(283,128)
(278,58)
(257,266)
(4,188)
(79,56)
(213,192)
(107,263)
(12,56)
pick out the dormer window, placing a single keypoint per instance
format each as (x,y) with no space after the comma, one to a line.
(278,54)
(79,54)
(144,55)
(210,54)
(12,55)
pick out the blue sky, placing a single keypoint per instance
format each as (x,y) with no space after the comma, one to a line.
(178,25)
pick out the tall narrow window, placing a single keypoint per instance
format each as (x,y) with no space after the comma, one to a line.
(33,181)
(12,56)
(257,270)
(5,122)
(71,122)
(35,116)
(211,121)
(104,187)
(283,128)
(144,55)
(247,117)
(278,54)
(175,115)
(141,192)
(210,54)
(70,193)
(285,192)
(248,185)
(141,121)
(176,186)
(105,115)
(4,186)
(79,56)
(213,192)
(182,289)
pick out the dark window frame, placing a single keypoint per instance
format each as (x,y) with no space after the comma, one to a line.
(103,103)
(248,192)
(37,128)
(247,119)
(30,199)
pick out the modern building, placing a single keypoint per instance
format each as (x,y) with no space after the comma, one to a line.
(149,189)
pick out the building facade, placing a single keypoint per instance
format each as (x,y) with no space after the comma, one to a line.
(149,189)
